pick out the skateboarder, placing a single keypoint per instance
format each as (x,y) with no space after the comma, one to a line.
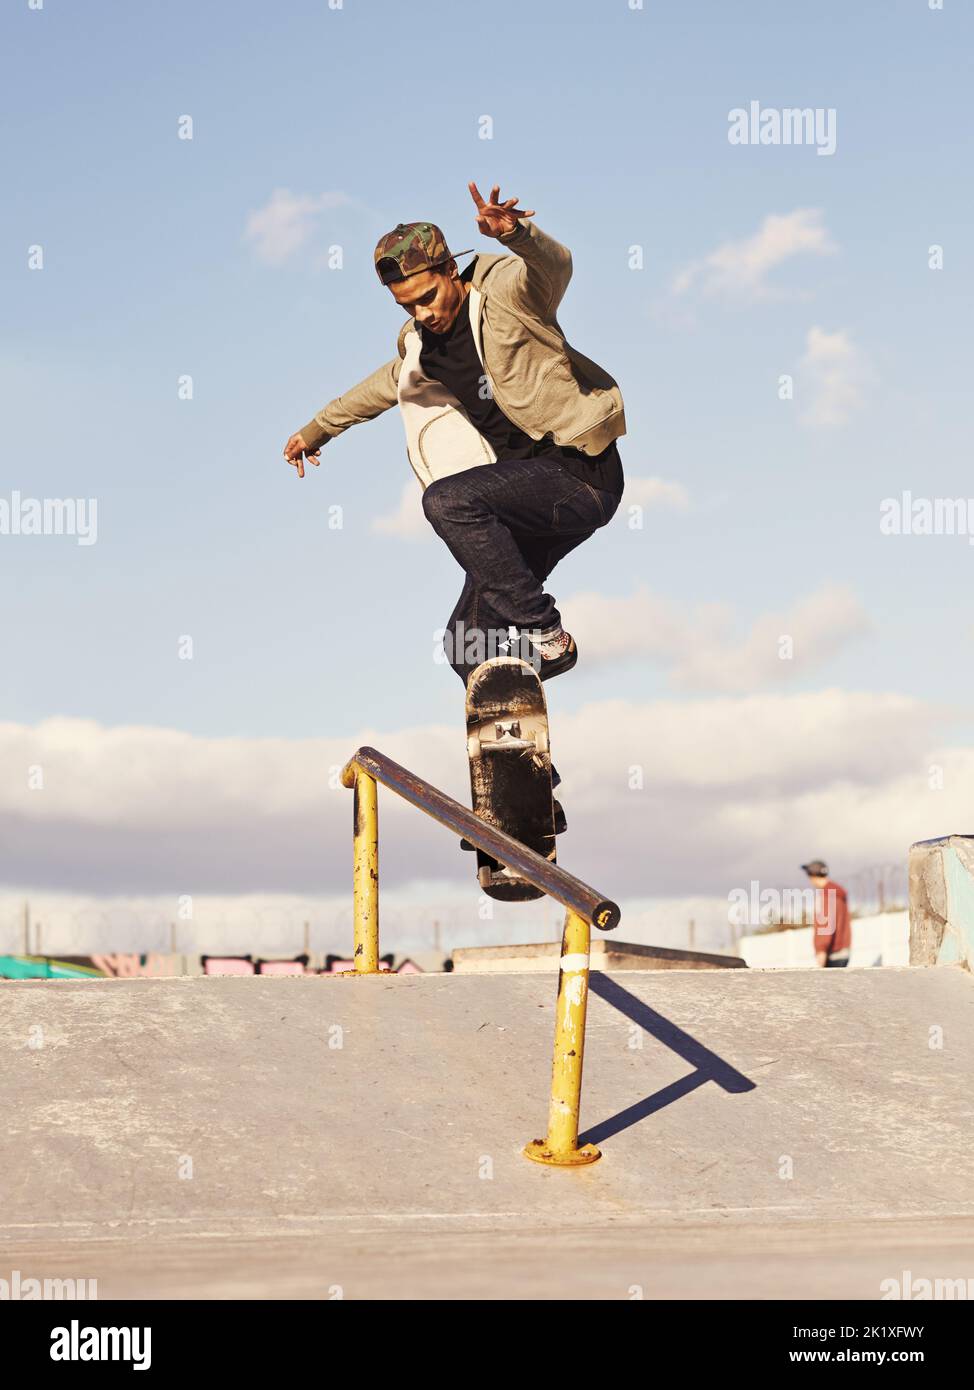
(510,431)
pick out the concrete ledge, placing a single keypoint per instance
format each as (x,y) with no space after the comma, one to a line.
(266,1107)
(942,901)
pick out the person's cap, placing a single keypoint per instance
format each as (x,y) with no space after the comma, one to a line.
(410,248)
(817,868)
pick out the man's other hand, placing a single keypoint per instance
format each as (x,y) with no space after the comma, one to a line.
(495,218)
(296,451)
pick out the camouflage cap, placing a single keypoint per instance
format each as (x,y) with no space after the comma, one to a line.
(816,868)
(410,248)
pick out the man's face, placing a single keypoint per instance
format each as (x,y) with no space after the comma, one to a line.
(433,297)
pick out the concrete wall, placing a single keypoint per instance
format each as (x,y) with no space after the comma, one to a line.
(942,901)
(121,965)
(880,940)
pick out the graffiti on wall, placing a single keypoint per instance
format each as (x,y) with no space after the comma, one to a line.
(156,965)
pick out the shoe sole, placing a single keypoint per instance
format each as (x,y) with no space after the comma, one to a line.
(560,665)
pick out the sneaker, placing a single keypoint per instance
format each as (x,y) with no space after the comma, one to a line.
(564,661)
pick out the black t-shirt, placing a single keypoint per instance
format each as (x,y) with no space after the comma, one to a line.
(451,358)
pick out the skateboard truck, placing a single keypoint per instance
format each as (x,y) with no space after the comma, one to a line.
(507,738)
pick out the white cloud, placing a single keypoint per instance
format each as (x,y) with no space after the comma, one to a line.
(656,492)
(836,373)
(408,521)
(286,222)
(663,797)
(701,646)
(739,269)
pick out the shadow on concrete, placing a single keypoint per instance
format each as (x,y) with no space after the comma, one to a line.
(707,1066)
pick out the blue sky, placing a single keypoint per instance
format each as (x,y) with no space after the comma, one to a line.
(326,127)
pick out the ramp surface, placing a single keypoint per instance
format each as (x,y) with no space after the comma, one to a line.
(764,1134)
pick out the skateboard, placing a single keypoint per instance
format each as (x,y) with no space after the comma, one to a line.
(510,767)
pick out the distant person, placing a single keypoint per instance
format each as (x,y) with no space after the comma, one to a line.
(832,937)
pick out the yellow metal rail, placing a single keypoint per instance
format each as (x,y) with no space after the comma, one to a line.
(584,908)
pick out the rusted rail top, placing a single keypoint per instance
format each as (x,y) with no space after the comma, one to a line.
(565,888)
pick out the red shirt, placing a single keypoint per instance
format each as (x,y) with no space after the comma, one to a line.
(832,932)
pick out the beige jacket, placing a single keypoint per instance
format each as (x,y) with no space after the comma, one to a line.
(541,383)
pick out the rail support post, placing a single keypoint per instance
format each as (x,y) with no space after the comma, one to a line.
(560,1147)
(365,894)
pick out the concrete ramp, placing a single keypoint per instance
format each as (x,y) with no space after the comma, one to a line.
(291,1136)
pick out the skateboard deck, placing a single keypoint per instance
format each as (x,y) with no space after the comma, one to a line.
(510,767)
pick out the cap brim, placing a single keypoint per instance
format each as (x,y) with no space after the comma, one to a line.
(435,266)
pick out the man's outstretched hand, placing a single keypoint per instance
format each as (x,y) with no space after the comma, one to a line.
(494,218)
(295,451)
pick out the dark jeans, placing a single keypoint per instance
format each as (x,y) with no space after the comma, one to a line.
(508,524)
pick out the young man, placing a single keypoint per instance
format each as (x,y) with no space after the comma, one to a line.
(832,937)
(510,431)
